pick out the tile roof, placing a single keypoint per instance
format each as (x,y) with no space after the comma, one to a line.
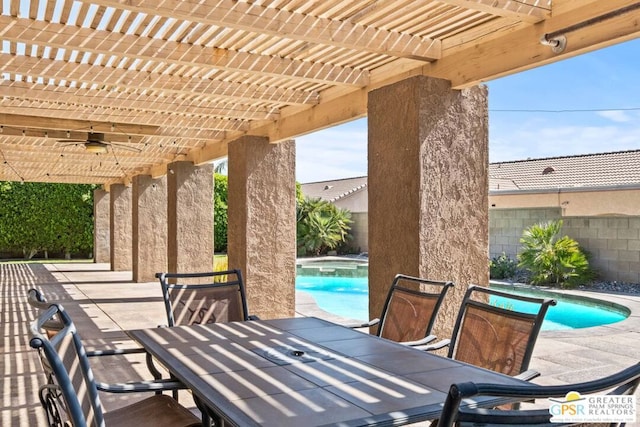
(335,189)
(613,169)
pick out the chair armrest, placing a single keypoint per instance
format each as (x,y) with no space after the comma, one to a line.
(120,351)
(115,351)
(437,346)
(527,375)
(141,386)
(368,324)
(419,342)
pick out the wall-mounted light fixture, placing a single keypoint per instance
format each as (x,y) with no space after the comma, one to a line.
(558,44)
(558,39)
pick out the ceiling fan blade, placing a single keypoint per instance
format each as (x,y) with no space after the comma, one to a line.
(124,147)
(72,141)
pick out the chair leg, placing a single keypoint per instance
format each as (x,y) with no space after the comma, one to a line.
(209,418)
(51,399)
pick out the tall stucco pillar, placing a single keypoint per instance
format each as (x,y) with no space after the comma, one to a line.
(262,223)
(120,219)
(149,227)
(428,188)
(101,233)
(189,217)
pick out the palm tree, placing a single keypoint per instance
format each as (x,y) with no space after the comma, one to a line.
(222,167)
(551,259)
(320,225)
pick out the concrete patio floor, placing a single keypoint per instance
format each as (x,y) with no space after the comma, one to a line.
(104,304)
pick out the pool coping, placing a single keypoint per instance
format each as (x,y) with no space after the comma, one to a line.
(630,301)
(631,323)
(307,306)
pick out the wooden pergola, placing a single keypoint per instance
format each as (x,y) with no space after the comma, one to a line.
(164,81)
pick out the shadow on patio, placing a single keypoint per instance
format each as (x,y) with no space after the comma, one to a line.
(104,303)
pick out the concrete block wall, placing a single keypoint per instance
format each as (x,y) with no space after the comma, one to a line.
(613,242)
(506,226)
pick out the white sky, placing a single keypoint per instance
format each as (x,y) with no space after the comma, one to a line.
(555,123)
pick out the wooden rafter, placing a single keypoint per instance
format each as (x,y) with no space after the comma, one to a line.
(532,11)
(107,77)
(296,26)
(181,79)
(124,45)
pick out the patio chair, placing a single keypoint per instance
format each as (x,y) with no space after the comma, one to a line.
(409,312)
(621,383)
(38,301)
(204,297)
(499,338)
(74,381)
(199,298)
(52,326)
(49,394)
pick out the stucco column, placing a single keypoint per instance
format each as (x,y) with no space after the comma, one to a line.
(428,188)
(262,223)
(101,233)
(189,217)
(120,220)
(149,228)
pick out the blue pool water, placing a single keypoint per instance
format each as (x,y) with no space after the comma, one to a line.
(345,296)
(349,297)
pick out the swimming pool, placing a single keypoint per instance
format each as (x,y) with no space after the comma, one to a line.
(349,297)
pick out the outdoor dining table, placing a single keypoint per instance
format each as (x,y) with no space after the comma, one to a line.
(308,372)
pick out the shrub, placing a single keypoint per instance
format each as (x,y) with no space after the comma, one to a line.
(502,267)
(46,217)
(220,215)
(553,260)
(321,226)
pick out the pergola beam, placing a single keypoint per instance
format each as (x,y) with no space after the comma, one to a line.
(519,50)
(108,77)
(27,121)
(525,11)
(128,46)
(296,26)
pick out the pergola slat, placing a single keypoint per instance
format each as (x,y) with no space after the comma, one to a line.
(185,78)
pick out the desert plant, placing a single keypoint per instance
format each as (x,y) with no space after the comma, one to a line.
(502,267)
(321,226)
(552,259)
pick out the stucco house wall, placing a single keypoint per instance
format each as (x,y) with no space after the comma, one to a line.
(604,201)
(357,202)
(360,231)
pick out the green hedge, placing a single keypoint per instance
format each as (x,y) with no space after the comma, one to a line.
(46,219)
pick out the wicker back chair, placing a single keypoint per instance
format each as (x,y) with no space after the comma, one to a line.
(74,381)
(410,310)
(199,298)
(499,338)
(621,383)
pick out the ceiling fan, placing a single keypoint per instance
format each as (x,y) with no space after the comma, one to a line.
(95,143)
